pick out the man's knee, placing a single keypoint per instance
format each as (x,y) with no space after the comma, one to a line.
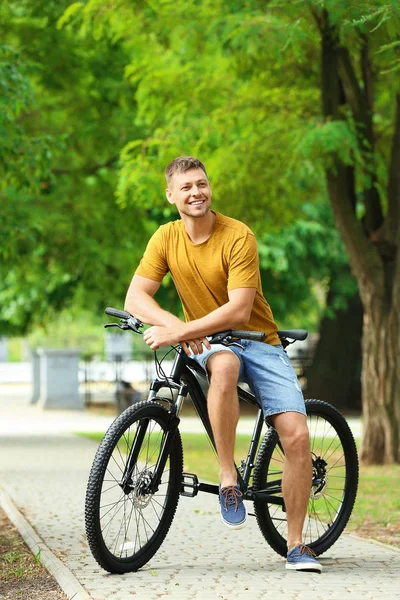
(293,432)
(223,368)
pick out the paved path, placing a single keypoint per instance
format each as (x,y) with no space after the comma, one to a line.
(44,476)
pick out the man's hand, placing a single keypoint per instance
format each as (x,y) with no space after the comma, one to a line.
(195,346)
(158,336)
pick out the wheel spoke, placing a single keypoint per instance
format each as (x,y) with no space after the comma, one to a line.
(125,521)
(335,477)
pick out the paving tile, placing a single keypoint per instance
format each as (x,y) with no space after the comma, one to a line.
(45,476)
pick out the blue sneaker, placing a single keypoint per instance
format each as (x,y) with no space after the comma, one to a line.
(302,558)
(233,511)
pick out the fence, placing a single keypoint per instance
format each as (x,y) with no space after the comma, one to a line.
(118,381)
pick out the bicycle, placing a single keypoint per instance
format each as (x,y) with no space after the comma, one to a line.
(137,473)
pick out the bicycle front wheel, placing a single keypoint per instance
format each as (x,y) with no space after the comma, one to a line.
(334,484)
(126,522)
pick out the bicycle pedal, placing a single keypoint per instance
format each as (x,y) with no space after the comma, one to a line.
(189,485)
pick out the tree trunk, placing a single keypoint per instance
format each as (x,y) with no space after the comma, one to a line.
(372,245)
(381,384)
(335,373)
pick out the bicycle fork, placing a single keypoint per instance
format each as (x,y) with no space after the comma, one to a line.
(151,487)
(153,483)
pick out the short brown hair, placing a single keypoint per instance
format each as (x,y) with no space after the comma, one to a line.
(181,164)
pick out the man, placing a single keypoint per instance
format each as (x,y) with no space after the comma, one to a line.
(213,261)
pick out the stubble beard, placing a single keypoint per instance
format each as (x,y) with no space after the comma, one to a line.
(195,213)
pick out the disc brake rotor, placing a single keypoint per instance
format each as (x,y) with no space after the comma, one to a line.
(141,497)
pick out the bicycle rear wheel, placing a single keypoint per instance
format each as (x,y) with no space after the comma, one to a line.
(125,522)
(334,485)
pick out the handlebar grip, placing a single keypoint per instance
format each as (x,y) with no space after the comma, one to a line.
(114,312)
(255,336)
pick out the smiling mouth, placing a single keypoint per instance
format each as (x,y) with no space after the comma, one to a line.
(196,203)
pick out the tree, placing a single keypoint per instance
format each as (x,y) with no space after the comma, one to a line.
(71,111)
(250,103)
(121,92)
(59,167)
(348,84)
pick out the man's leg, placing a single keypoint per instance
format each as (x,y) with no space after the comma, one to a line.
(273,381)
(223,410)
(297,471)
(296,484)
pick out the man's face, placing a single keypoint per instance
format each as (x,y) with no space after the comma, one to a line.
(190,192)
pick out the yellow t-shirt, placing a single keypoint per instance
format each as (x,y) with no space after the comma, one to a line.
(204,273)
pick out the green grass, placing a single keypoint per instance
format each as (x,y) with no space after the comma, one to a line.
(377,510)
(13,563)
(199,456)
(16,562)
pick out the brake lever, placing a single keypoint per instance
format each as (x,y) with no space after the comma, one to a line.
(219,338)
(225,340)
(135,325)
(228,343)
(124,327)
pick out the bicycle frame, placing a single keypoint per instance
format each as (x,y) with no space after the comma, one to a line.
(188,377)
(143,444)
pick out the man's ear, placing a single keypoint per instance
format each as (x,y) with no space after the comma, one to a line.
(168,194)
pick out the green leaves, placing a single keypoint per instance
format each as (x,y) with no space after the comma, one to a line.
(66,109)
(326,141)
(24,157)
(300,263)
(68,15)
(98,97)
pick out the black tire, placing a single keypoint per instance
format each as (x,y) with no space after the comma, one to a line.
(125,528)
(331,498)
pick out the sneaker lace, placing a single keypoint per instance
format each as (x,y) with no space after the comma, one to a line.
(303,549)
(231,496)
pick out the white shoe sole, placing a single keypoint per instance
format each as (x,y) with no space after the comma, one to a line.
(310,567)
(234,527)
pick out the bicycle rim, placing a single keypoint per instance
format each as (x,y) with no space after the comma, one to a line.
(126,523)
(334,486)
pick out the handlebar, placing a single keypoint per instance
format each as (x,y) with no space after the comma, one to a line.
(120,314)
(225,337)
(128,321)
(231,334)
(256,336)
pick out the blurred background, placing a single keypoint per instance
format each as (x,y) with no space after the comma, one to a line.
(281,101)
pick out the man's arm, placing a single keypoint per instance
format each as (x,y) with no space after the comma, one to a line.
(235,313)
(140,302)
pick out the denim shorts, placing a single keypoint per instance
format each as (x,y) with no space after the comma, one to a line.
(268,372)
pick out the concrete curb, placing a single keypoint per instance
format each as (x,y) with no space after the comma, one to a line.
(65,579)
